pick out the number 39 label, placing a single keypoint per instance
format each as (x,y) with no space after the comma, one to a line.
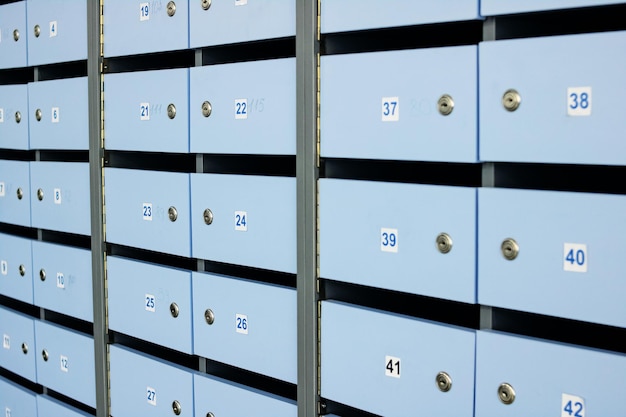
(579,101)
(572,406)
(575,257)
(388,240)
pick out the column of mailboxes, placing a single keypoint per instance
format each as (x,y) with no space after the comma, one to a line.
(51,195)
(548,252)
(247,220)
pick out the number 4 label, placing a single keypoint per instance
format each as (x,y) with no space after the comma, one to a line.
(392,366)
(54,28)
(575,257)
(572,406)
(579,101)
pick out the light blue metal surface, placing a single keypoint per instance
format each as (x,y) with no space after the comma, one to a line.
(15,192)
(240,21)
(136,116)
(129,193)
(269,207)
(134,374)
(254,326)
(140,302)
(66,287)
(144,26)
(16,330)
(499,7)
(13,52)
(540,372)
(253,107)
(66,210)
(16,401)
(347,15)
(63,31)
(357,345)
(15,258)
(353,215)
(49,407)
(540,279)
(70,368)
(541,130)
(63,106)
(227,399)
(14,107)
(356,122)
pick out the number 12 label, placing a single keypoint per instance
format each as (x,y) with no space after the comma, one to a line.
(572,406)
(390,109)
(388,240)
(392,366)
(64,364)
(579,101)
(575,257)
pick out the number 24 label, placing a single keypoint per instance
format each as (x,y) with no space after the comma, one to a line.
(241,221)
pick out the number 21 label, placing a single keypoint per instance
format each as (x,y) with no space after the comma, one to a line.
(575,257)
(572,406)
(579,101)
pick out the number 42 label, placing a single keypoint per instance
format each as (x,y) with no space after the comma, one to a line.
(572,406)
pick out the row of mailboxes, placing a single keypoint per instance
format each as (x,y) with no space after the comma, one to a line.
(39,32)
(16,401)
(547,252)
(142,385)
(46,195)
(242,323)
(389,364)
(55,277)
(53,356)
(45,115)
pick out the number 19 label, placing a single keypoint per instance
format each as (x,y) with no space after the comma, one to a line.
(579,101)
(575,257)
(390,109)
(572,406)
(388,240)
(144,11)
(392,366)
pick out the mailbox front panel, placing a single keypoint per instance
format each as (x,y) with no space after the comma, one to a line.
(49,407)
(15,192)
(13,35)
(18,343)
(14,116)
(500,7)
(16,273)
(16,401)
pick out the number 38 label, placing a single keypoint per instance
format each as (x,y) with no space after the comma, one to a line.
(579,101)
(572,406)
(575,257)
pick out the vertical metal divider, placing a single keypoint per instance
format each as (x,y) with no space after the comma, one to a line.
(96,167)
(307,173)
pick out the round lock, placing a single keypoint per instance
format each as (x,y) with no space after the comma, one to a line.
(18,117)
(171,8)
(511,100)
(444,382)
(205,5)
(210,414)
(506,393)
(206,109)
(510,249)
(40,194)
(44,354)
(37,30)
(42,274)
(445,105)
(20,193)
(16,35)
(209,316)
(24,348)
(208,216)
(174,310)
(38,115)
(171,111)
(444,243)
(176,408)
(172,213)
(22,269)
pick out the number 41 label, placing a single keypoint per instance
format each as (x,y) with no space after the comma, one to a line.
(572,406)
(575,257)
(392,366)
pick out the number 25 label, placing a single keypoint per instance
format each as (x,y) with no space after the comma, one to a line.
(572,406)
(575,257)
(579,101)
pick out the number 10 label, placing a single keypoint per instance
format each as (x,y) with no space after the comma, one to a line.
(575,257)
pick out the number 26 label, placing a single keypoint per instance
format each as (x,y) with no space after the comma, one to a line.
(572,406)
(575,257)
(579,101)
(241,323)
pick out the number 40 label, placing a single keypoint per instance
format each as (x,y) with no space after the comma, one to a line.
(575,257)
(572,406)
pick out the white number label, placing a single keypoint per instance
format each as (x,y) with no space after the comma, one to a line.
(241,108)
(390,109)
(144,12)
(575,257)
(60,280)
(579,101)
(6,341)
(4,267)
(147,211)
(7,412)
(572,406)
(1,189)
(150,303)
(388,240)
(241,221)
(55,115)
(64,364)
(151,396)
(241,2)
(144,111)
(57,196)
(1,115)
(54,28)
(392,366)
(241,323)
